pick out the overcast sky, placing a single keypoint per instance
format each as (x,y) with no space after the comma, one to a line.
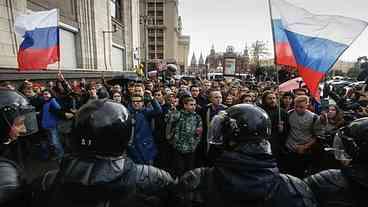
(237,22)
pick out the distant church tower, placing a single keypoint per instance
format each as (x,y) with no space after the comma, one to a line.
(202,66)
(193,64)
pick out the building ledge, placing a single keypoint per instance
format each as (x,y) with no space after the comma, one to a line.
(9,74)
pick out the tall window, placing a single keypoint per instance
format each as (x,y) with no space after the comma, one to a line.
(68,51)
(115,8)
(118,58)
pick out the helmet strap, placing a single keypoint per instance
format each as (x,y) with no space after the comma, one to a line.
(8,139)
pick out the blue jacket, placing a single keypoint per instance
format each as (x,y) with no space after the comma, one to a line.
(49,119)
(143,149)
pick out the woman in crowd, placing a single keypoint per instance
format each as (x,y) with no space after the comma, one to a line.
(287,101)
(332,119)
(246,99)
(229,100)
(116,96)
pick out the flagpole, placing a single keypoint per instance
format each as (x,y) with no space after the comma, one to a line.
(275,63)
(273,32)
(58,29)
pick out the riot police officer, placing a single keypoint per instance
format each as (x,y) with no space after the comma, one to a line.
(348,186)
(17,118)
(246,173)
(100,173)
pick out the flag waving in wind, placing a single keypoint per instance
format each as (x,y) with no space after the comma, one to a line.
(40,46)
(310,42)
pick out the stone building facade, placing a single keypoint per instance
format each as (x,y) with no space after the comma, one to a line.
(95,36)
(215,61)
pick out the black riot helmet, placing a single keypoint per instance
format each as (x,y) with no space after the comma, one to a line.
(351,142)
(241,123)
(15,110)
(102,127)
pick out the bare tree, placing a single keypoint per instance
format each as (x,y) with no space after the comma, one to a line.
(259,50)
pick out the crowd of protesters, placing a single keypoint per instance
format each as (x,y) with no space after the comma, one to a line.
(171,120)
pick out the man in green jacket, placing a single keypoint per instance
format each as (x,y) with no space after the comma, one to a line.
(184,132)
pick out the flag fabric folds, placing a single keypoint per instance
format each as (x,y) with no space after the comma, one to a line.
(312,43)
(40,46)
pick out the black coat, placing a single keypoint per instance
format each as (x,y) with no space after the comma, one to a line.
(12,185)
(244,178)
(278,138)
(340,188)
(96,181)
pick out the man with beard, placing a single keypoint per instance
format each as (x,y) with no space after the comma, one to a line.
(279,118)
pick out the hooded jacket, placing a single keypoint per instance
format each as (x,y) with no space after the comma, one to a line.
(248,177)
(183,130)
(143,150)
(97,181)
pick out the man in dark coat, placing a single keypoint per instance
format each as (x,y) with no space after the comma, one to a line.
(206,153)
(279,119)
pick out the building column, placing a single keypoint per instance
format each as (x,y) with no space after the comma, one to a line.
(9,41)
(86,38)
(102,22)
(127,11)
(136,43)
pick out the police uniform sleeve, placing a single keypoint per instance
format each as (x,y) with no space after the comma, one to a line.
(329,187)
(192,180)
(12,184)
(298,193)
(192,186)
(41,187)
(151,180)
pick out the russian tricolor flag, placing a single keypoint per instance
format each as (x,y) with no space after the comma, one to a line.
(312,43)
(40,46)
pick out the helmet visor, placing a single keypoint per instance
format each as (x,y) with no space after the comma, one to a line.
(30,120)
(215,135)
(339,149)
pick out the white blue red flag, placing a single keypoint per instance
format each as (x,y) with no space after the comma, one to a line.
(312,43)
(40,45)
